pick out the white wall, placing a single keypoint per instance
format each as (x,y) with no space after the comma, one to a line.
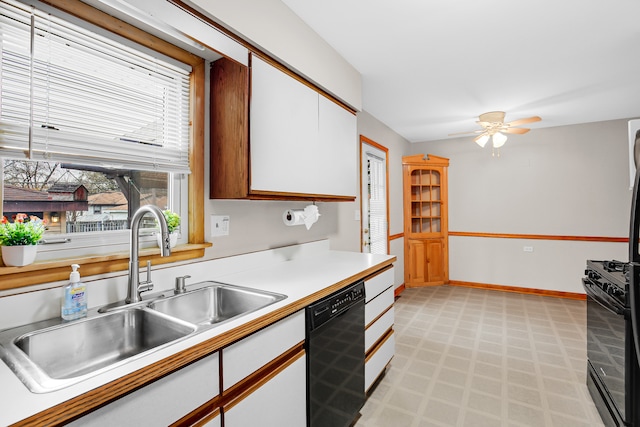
(564,181)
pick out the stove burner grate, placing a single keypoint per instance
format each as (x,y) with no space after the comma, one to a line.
(614,265)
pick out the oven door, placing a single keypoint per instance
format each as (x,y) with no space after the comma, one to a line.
(606,345)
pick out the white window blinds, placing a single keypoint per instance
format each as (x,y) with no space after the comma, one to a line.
(377,204)
(70,95)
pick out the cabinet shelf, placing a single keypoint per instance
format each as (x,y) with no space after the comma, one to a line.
(426,225)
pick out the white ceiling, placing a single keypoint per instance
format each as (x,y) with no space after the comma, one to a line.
(430,67)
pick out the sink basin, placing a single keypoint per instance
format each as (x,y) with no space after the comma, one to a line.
(52,354)
(215,303)
(45,358)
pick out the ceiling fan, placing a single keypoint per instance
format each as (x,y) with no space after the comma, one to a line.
(493,126)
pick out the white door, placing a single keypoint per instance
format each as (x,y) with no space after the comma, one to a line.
(374,197)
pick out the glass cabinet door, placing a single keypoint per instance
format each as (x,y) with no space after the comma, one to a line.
(426,201)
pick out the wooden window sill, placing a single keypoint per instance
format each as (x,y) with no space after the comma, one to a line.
(54,270)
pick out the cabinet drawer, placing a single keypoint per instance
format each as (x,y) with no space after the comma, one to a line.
(162,402)
(280,401)
(376,330)
(377,306)
(214,422)
(249,354)
(375,285)
(378,360)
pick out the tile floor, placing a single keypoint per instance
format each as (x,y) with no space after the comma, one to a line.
(475,357)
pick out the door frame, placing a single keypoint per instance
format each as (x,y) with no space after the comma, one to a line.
(363,142)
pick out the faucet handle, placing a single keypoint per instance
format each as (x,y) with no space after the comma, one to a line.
(180,284)
(148,284)
(148,271)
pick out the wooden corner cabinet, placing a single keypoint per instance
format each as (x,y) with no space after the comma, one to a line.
(426,248)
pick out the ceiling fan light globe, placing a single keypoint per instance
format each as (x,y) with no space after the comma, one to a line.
(499,139)
(482,140)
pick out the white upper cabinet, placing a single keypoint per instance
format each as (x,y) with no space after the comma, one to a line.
(337,132)
(301,142)
(283,130)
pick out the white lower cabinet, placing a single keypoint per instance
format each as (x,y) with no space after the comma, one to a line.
(378,360)
(216,421)
(162,402)
(278,402)
(246,356)
(378,329)
(379,318)
(264,377)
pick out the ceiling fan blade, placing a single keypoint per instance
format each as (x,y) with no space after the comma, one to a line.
(523,121)
(492,117)
(465,133)
(519,131)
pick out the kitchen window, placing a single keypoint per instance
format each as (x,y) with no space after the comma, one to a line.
(95,111)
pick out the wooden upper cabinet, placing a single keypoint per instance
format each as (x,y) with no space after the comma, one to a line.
(229,130)
(425,220)
(275,137)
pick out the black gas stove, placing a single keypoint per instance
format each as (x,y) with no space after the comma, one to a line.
(611,276)
(613,377)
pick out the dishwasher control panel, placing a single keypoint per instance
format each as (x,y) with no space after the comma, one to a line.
(334,304)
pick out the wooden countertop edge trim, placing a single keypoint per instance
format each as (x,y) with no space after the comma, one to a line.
(201,415)
(93,399)
(378,316)
(238,392)
(374,348)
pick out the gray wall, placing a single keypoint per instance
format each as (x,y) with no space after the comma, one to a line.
(566,181)
(258,225)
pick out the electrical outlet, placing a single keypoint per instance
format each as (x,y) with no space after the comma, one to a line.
(528,249)
(219,225)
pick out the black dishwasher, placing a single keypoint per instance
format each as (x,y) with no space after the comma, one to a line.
(335,358)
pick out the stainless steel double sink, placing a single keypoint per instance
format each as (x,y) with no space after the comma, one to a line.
(53,354)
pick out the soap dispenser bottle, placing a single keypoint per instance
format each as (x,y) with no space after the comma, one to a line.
(74,298)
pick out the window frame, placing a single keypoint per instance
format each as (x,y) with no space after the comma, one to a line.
(51,271)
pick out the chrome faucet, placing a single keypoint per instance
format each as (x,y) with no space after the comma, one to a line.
(134,285)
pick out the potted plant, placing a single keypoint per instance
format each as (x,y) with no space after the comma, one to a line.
(173,224)
(19,239)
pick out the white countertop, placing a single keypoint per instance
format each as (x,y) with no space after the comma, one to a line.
(297,278)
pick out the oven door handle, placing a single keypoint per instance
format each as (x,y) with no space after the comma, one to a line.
(602,298)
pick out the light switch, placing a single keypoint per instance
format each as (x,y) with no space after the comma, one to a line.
(219,225)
